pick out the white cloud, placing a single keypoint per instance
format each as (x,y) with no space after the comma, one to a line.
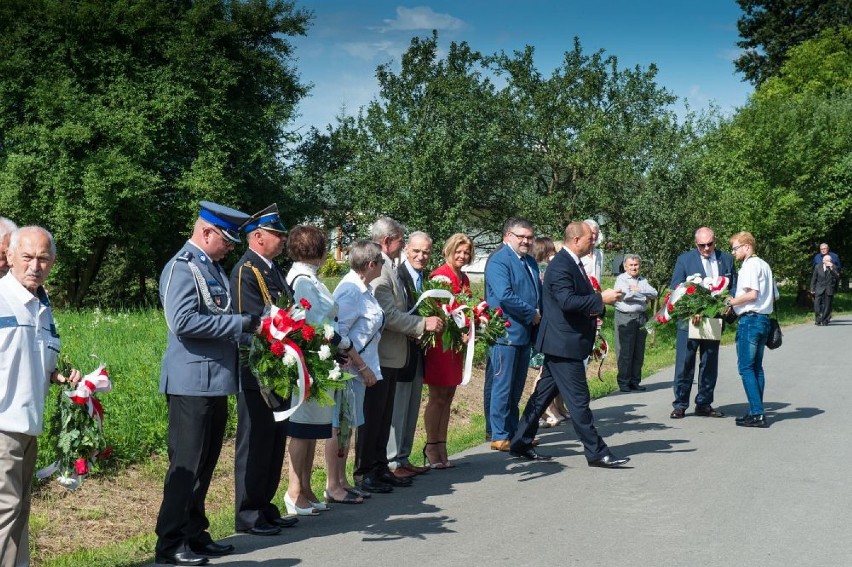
(368,51)
(422,18)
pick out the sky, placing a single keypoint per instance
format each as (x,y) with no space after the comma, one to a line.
(692,43)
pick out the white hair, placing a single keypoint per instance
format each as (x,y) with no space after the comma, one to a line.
(7,227)
(386,227)
(595,226)
(419,235)
(16,237)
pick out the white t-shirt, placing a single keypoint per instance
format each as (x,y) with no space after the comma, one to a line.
(756,274)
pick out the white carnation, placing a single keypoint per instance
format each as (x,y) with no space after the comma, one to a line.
(289,359)
(328,332)
(324,352)
(442,279)
(335,373)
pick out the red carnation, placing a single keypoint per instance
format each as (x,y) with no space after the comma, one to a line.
(277,348)
(498,311)
(81,466)
(305,303)
(507,324)
(308,332)
(670,307)
(690,290)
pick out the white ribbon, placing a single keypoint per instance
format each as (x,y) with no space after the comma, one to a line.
(282,415)
(437,293)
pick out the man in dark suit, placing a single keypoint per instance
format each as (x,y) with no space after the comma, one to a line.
(409,381)
(705,261)
(823,284)
(566,337)
(199,372)
(823,252)
(257,282)
(512,283)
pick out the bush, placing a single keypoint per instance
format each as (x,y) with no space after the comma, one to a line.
(332,268)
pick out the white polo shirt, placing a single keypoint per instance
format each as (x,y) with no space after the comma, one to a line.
(30,346)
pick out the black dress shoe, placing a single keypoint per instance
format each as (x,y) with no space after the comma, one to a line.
(374,485)
(740,420)
(389,478)
(212,548)
(609,462)
(284,521)
(754,421)
(677,413)
(181,558)
(530,455)
(624,388)
(637,388)
(262,530)
(708,411)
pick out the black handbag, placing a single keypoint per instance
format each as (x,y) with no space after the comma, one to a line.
(775,337)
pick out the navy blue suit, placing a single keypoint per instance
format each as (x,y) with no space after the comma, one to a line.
(512,284)
(566,336)
(688,264)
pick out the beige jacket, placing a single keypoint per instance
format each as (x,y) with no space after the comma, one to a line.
(393,348)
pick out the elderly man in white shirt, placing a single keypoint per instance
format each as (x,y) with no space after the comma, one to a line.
(30,346)
(630,318)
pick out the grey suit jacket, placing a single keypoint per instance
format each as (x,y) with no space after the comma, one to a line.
(399,325)
(201,353)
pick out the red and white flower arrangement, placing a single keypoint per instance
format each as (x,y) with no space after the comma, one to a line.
(697,296)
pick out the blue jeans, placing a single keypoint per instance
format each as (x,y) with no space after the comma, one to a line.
(510,364)
(752,332)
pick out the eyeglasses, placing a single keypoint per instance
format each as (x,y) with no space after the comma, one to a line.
(706,244)
(737,247)
(521,236)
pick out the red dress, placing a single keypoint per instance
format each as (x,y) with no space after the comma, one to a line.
(444,368)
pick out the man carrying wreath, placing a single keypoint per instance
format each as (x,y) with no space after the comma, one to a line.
(705,260)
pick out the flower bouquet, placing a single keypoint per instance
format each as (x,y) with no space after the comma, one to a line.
(77,425)
(704,297)
(288,355)
(466,321)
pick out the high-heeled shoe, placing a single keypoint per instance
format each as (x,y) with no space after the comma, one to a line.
(427,462)
(446,464)
(293,509)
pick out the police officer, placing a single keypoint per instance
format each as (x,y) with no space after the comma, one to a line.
(199,372)
(257,282)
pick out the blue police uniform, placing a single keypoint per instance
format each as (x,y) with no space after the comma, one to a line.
(199,371)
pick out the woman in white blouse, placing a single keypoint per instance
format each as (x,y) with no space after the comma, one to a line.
(360,319)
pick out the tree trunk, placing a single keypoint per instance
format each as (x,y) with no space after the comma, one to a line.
(90,271)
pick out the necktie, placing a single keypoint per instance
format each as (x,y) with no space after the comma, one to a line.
(418,281)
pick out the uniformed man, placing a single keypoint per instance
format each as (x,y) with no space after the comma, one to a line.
(257,282)
(199,372)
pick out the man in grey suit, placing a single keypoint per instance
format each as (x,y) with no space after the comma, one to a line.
(199,372)
(371,460)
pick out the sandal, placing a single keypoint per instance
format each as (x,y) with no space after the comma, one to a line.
(348,499)
(358,492)
(430,464)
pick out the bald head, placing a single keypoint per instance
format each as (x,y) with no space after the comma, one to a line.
(579,238)
(705,241)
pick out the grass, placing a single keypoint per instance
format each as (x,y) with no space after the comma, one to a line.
(132,344)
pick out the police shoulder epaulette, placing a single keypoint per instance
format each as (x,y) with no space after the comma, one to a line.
(186,256)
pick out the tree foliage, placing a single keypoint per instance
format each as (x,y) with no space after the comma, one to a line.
(117,117)
(769,29)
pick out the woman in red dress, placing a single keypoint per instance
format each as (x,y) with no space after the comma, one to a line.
(444,368)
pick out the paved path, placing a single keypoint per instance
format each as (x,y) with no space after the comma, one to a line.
(700,491)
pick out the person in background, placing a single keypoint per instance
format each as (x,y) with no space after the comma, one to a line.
(824,282)
(7,227)
(630,318)
(543,250)
(753,304)
(823,252)
(30,346)
(593,261)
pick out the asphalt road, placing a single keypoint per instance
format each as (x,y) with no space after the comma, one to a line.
(700,491)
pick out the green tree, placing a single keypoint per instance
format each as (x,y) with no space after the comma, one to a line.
(117,117)
(769,29)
